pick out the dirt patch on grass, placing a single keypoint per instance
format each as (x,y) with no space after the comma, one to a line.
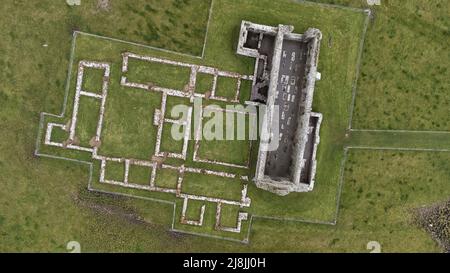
(104,5)
(109,204)
(115,206)
(95,143)
(435,220)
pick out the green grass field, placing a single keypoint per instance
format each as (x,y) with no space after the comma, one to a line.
(412,91)
(128,118)
(44,202)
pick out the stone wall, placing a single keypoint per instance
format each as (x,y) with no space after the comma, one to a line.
(312,37)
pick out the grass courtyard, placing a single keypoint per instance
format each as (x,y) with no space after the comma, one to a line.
(54,207)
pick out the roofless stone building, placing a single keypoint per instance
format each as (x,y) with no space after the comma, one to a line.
(284,79)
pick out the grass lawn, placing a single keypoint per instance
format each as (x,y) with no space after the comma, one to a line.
(166,178)
(381,190)
(174,25)
(405,71)
(226,87)
(128,127)
(408,140)
(93,80)
(193,210)
(129,130)
(237,151)
(139,175)
(245,91)
(212,186)
(204,83)
(44,202)
(39,197)
(86,126)
(168,143)
(162,75)
(401,85)
(115,171)
(229,216)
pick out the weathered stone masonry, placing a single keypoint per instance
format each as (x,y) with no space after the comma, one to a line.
(284,79)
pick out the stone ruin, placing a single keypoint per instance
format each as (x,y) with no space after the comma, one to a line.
(284,78)
(157,161)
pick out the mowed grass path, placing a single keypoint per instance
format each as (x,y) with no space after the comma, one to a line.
(422,140)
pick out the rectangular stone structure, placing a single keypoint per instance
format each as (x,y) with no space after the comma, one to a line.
(284,79)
